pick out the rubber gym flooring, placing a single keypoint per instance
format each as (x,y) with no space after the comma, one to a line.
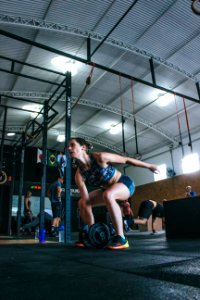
(152,268)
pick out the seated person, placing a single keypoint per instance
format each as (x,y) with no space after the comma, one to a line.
(189,192)
(36,222)
(148,208)
(127,214)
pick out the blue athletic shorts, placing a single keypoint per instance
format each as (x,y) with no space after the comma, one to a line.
(127,181)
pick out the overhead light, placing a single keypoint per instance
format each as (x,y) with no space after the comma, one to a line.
(34,115)
(115,129)
(162,174)
(64,64)
(10,133)
(35,107)
(190,163)
(165,99)
(61,138)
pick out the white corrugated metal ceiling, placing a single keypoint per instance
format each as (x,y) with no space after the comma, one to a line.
(135,35)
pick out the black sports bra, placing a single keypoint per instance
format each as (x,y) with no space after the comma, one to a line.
(96,175)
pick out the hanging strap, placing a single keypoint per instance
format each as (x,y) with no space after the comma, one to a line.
(187,123)
(135,124)
(179,125)
(122,117)
(120,88)
(137,154)
(87,83)
(132,96)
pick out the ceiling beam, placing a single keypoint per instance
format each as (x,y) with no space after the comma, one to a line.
(46,25)
(113,28)
(98,142)
(101,107)
(129,116)
(101,67)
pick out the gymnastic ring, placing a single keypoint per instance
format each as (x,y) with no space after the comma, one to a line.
(194,7)
(3,177)
(30,136)
(138,156)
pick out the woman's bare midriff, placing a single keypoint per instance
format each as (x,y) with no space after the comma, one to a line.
(114,179)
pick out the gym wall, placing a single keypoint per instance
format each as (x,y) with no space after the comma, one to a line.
(32,170)
(170,189)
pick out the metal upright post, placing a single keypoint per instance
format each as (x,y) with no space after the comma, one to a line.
(198,89)
(21,181)
(152,71)
(88,49)
(2,140)
(12,190)
(44,162)
(68,165)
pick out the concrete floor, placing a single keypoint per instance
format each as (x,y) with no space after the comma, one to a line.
(152,268)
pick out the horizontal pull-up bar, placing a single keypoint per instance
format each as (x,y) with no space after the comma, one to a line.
(31,65)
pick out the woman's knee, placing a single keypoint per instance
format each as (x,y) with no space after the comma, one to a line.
(108,197)
(82,204)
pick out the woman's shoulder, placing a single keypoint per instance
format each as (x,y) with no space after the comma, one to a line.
(102,156)
(97,156)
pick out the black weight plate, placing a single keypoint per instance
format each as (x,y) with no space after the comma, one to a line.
(99,235)
(83,236)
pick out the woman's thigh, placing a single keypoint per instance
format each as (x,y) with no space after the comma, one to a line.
(96,198)
(118,191)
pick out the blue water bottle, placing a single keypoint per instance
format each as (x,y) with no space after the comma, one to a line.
(42,236)
(61,234)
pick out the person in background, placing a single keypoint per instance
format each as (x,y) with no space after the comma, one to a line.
(96,170)
(28,215)
(32,225)
(189,192)
(127,214)
(54,194)
(149,208)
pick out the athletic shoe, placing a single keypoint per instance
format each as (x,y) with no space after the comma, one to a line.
(117,243)
(79,244)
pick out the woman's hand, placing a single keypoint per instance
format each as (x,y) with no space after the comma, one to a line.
(154,169)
